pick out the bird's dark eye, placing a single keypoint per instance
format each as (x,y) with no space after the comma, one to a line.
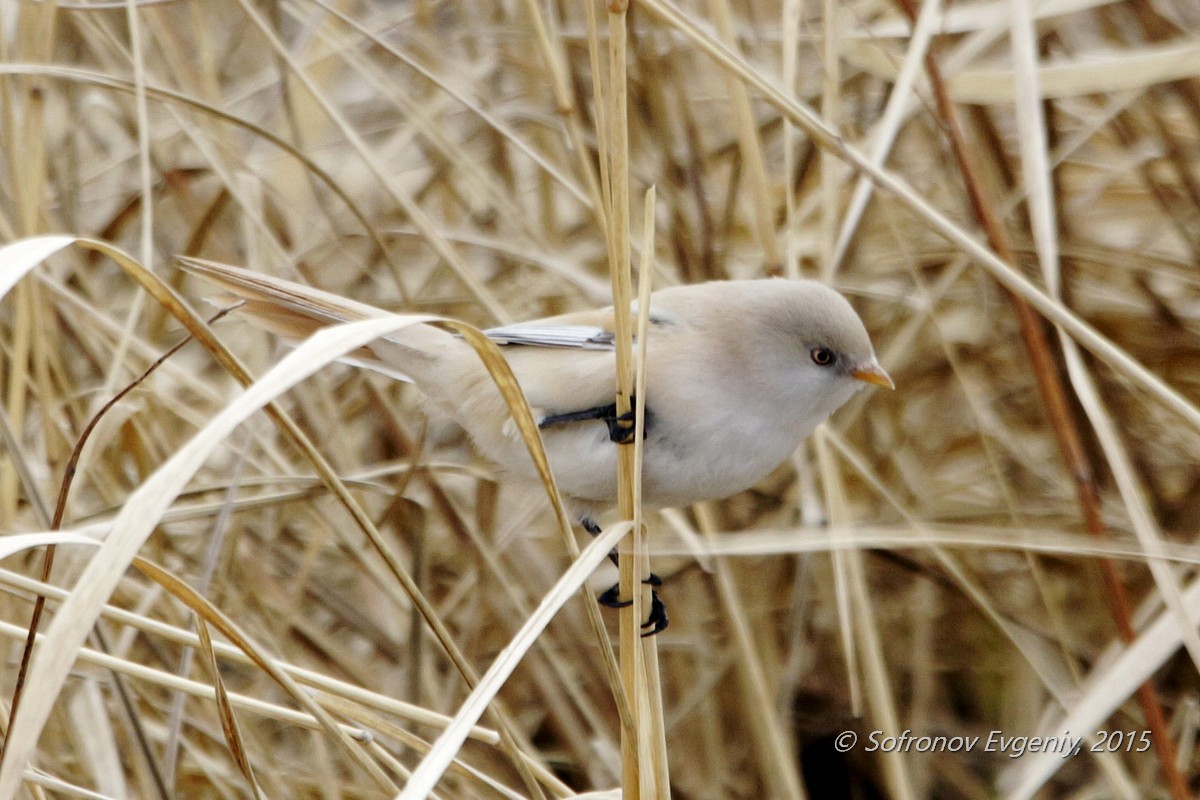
(822,356)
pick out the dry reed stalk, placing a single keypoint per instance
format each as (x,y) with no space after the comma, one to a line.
(864,621)
(771,744)
(1011,279)
(749,145)
(1062,421)
(643,746)
(655,741)
(201,332)
(55,522)
(334,690)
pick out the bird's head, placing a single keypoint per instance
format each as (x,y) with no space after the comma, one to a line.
(824,341)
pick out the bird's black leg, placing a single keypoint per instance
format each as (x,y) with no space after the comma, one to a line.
(599,412)
(592,528)
(620,426)
(657,621)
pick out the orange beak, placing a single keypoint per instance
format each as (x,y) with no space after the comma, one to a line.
(873,373)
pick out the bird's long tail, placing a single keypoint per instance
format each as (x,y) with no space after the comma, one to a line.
(294,312)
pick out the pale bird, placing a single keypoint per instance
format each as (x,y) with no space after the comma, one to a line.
(738,373)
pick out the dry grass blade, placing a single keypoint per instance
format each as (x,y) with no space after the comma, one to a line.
(233,734)
(1107,689)
(331,687)
(780,772)
(899,102)
(17,542)
(211,615)
(799,540)
(20,257)
(136,522)
(861,626)
(447,745)
(138,517)
(1003,272)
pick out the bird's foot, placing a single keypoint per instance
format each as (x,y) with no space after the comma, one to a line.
(657,620)
(620,426)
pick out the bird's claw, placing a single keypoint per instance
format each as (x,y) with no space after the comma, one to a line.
(621,428)
(657,621)
(611,598)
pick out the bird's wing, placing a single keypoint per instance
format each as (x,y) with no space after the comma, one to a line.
(584,330)
(588,337)
(564,363)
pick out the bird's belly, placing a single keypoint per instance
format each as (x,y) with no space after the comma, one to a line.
(676,471)
(584,461)
(719,465)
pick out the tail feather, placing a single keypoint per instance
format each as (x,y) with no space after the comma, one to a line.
(449,373)
(294,312)
(267,296)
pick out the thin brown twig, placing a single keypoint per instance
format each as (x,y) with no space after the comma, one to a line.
(60,508)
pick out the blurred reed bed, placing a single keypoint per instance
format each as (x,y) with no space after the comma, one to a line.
(925,564)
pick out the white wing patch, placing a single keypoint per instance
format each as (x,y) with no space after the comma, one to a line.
(587,337)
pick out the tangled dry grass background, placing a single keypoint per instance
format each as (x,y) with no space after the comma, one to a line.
(925,564)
